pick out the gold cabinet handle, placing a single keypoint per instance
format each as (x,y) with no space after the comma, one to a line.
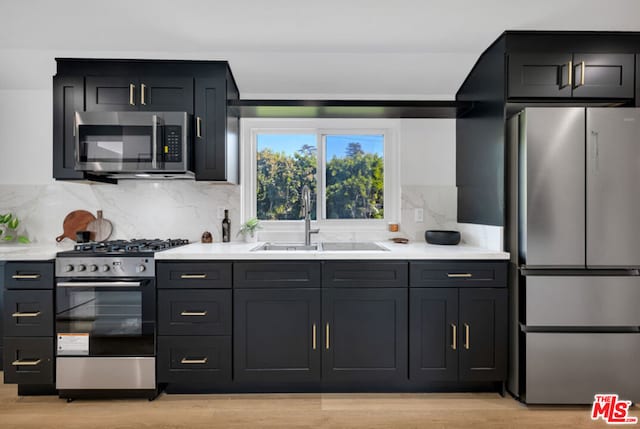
(582,73)
(25,276)
(26,362)
(570,72)
(199,127)
(26,314)
(454,343)
(194,313)
(187,361)
(327,341)
(142,94)
(193,276)
(132,90)
(467,336)
(459,275)
(313,336)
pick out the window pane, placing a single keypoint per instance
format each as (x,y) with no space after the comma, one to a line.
(285,163)
(355,176)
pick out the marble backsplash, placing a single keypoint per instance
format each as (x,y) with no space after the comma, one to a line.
(184,209)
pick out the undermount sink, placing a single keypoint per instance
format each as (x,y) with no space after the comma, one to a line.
(353,246)
(324,246)
(287,246)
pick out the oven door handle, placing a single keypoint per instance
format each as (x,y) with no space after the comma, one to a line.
(99,284)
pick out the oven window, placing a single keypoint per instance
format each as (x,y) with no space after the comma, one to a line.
(115,143)
(113,319)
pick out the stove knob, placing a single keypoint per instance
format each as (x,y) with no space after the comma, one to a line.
(105,268)
(68,268)
(81,267)
(93,268)
(140,268)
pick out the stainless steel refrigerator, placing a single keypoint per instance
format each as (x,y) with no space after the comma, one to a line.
(573,230)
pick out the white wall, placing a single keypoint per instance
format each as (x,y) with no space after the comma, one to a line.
(26,137)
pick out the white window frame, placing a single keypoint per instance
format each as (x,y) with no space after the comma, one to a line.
(390,128)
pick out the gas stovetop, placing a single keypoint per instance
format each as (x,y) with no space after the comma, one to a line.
(124,247)
(116,258)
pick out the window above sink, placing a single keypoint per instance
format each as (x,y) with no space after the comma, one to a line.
(350,165)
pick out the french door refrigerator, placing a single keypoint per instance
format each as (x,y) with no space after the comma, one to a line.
(573,230)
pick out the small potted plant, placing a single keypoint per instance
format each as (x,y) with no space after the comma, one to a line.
(8,229)
(248,230)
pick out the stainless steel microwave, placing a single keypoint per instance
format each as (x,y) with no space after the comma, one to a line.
(133,144)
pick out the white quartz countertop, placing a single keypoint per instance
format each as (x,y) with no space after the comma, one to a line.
(32,252)
(242,251)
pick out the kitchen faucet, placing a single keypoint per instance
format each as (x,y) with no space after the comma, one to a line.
(306,212)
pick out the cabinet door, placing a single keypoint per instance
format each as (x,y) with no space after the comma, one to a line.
(112,93)
(539,75)
(210,139)
(166,94)
(482,335)
(603,75)
(433,328)
(638,80)
(365,335)
(68,98)
(277,335)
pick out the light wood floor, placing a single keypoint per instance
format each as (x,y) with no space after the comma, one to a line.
(372,411)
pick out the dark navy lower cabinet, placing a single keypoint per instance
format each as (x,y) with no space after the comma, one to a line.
(277,335)
(364,336)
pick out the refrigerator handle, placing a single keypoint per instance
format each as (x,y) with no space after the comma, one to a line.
(596,149)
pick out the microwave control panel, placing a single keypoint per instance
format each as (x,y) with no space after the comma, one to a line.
(172,150)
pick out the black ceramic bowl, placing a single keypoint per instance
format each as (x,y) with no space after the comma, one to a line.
(442,237)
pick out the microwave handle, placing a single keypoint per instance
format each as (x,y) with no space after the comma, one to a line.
(154,154)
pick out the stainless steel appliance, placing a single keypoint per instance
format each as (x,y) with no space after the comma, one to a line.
(575,253)
(106,318)
(133,144)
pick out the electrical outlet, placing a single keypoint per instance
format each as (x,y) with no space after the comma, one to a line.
(220,212)
(419,215)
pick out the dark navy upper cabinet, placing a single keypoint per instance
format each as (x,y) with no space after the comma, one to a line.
(539,75)
(589,75)
(127,93)
(200,88)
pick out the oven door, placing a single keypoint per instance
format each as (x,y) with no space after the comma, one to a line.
(131,142)
(105,318)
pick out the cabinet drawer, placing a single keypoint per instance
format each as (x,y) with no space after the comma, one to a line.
(28,313)
(194,312)
(194,359)
(28,360)
(276,274)
(458,274)
(364,274)
(194,275)
(28,275)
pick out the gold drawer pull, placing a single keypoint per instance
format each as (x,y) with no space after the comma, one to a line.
(143,87)
(327,342)
(186,361)
(199,127)
(313,336)
(454,344)
(193,276)
(459,275)
(467,336)
(25,276)
(132,100)
(193,313)
(31,314)
(26,362)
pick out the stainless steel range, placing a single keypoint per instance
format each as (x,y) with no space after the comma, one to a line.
(105,318)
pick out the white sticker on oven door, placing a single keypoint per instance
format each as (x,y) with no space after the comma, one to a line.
(73,344)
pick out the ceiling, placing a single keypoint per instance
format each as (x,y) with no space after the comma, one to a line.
(403,49)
